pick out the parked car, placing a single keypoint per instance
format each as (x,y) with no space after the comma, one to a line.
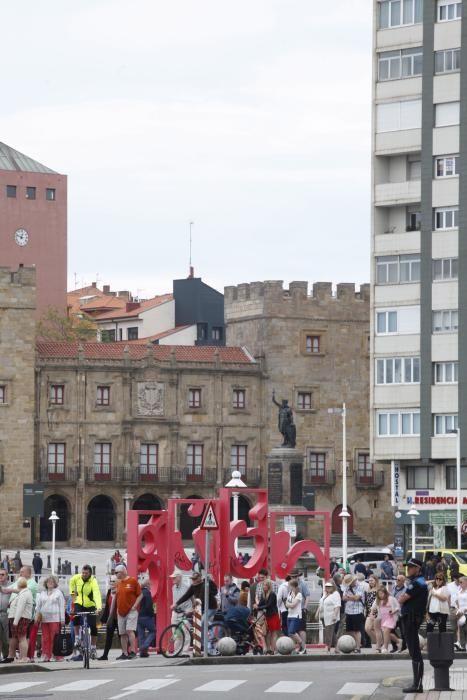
(372,558)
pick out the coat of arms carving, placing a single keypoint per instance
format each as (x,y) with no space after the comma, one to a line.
(150,399)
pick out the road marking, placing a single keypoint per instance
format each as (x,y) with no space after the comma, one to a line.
(13,687)
(289,687)
(219,686)
(148,684)
(76,686)
(358,689)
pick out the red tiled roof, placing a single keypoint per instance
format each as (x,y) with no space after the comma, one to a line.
(116,351)
(158,336)
(104,302)
(143,306)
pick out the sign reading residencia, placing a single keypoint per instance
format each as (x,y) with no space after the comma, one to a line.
(156,547)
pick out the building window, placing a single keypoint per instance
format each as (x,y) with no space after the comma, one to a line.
(313,344)
(447,166)
(56,394)
(194,462)
(447,114)
(398,116)
(304,400)
(414,168)
(446,321)
(194,398)
(103,396)
(56,457)
(202,331)
(108,335)
(446,218)
(11,191)
(451,477)
(50,194)
(148,460)
(394,13)
(386,322)
(317,466)
(217,333)
(447,61)
(445,269)
(132,333)
(238,458)
(365,469)
(30,193)
(398,370)
(414,219)
(239,398)
(445,424)
(446,372)
(398,423)
(2,393)
(102,459)
(420,478)
(404,63)
(397,269)
(449,10)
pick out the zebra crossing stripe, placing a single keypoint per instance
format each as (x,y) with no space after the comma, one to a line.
(289,687)
(13,687)
(148,684)
(77,686)
(219,686)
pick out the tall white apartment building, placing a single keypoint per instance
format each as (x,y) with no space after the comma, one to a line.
(419,261)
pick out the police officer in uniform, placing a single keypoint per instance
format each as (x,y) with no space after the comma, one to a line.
(413,603)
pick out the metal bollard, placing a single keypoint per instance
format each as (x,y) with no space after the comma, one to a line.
(76,569)
(197,628)
(48,562)
(440,647)
(93,570)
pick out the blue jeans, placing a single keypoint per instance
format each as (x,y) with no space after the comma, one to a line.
(211,647)
(146,624)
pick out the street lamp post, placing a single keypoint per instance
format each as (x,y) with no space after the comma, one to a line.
(235,483)
(344,514)
(53,518)
(413,512)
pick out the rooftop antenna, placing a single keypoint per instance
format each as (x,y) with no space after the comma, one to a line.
(76,279)
(192,223)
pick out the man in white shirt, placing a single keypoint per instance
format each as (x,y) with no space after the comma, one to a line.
(282,593)
(179,588)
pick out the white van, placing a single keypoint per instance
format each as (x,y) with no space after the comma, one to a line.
(372,558)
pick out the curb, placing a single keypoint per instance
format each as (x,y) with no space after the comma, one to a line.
(260,660)
(23,668)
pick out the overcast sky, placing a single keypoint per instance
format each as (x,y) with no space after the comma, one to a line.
(250,118)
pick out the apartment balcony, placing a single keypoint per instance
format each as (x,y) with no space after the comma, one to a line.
(68,475)
(396,194)
(161,475)
(325,479)
(251,477)
(369,480)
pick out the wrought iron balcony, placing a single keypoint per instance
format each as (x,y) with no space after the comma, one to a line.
(251,477)
(369,480)
(325,479)
(68,475)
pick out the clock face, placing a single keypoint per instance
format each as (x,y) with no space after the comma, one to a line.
(21,237)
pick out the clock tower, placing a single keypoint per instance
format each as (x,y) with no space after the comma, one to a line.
(33,224)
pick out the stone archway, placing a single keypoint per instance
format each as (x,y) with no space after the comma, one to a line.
(62,528)
(147,501)
(187,523)
(100,522)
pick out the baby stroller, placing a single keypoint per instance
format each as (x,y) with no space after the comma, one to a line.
(245,635)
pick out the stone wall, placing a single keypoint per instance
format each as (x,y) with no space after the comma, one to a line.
(17,332)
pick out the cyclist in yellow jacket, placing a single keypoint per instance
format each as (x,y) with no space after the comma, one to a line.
(86,596)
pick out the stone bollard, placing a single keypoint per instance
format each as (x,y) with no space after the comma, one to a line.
(440,647)
(76,569)
(48,562)
(93,570)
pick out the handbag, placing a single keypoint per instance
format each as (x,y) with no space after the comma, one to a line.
(63,643)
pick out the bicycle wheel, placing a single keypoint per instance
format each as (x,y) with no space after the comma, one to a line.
(171,641)
(216,631)
(86,644)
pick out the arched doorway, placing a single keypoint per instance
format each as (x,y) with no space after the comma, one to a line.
(60,506)
(146,502)
(336,524)
(244,506)
(100,524)
(187,523)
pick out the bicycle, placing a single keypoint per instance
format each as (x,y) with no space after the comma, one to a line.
(173,637)
(83,643)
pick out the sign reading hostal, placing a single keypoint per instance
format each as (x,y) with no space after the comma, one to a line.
(33,500)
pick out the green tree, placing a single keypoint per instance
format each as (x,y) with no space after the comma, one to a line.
(54,325)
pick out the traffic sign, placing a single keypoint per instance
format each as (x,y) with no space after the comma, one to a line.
(464,527)
(209,521)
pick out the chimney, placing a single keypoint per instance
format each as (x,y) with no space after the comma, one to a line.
(94,285)
(131,305)
(192,272)
(106,288)
(125,294)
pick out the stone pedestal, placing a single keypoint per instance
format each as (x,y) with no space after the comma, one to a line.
(285,476)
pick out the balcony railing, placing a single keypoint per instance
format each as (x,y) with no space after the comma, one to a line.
(162,475)
(251,477)
(368,480)
(67,476)
(326,479)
